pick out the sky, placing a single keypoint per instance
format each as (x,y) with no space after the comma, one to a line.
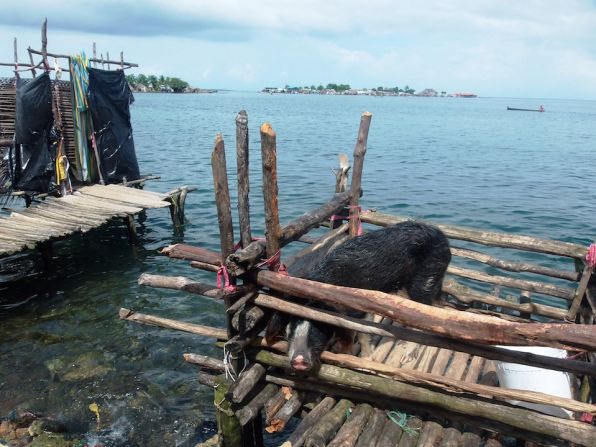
(507,48)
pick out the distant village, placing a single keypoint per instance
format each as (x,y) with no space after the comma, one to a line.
(345,89)
(160,84)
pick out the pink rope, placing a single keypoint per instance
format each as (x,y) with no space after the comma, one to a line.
(591,256)
(357,216)
(223,280)
(274,264)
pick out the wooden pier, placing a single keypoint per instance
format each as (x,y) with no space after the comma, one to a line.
(431,380)
(90,207)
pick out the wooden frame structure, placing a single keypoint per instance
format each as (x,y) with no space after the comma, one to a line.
(437,362)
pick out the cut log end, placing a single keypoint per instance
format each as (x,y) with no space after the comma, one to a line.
(125,313)
(366,114)
(266,129)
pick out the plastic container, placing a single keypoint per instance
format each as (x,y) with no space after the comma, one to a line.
(523,377)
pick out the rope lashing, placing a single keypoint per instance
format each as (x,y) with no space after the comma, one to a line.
(223,280)
(591,256)
(274,263)
(401,420)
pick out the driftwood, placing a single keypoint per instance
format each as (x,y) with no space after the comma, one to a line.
(527,243)
(243,177)
(359,152)
(243,260)
(207,380)
(567,430)
(467,295)
(205,362)
(252,408)
(180,283)
(285,413)
(245,383)
(524,358)
(297,437)
(447,322)
(320,434)
(130,315)
(273,405)
(514,266)
(350,431)
(269,159)
(373,429)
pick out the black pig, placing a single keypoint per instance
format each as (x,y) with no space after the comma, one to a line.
(409,255)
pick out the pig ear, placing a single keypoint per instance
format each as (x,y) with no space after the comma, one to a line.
(276,327)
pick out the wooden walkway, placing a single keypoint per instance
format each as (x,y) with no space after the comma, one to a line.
(89,207)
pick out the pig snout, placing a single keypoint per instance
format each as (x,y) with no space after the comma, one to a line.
(299,363)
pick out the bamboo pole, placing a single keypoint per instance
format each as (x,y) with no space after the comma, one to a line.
(447,322)
(504,240)
(242,162)
(359,152)
(567,430)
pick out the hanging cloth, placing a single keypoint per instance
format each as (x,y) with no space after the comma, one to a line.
(79,77)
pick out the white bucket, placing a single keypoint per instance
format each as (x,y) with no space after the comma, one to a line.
(523,377)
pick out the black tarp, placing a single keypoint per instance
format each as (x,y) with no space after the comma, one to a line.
(109,100)
(33,165)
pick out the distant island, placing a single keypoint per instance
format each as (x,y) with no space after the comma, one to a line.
(345,89)
(152,83)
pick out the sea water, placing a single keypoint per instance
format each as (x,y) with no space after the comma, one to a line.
(448,160)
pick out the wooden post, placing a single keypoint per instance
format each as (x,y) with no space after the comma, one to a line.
(131,228)
(243,177)
(44,45)
(359,152)
(16,60)
(579,293)
(270,190)
(102,61)
(108,59)
(31,60)
(94,56)
(228,425)
(122,60)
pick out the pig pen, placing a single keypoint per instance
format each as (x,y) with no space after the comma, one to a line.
(432,379)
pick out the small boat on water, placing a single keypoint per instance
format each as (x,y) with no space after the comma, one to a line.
(540,109)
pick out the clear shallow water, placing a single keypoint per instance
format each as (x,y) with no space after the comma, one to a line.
(460,161)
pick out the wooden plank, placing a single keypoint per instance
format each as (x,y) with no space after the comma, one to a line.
(458,365)
(474,370)
(136,191)
(7,225)
(80,210)
(441,361)
(428,357)
(399,349)
(102,203)
(383,349)
(489,374)
(38,220)
(80,225)
(411,356)
(120,196)
(76,214)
